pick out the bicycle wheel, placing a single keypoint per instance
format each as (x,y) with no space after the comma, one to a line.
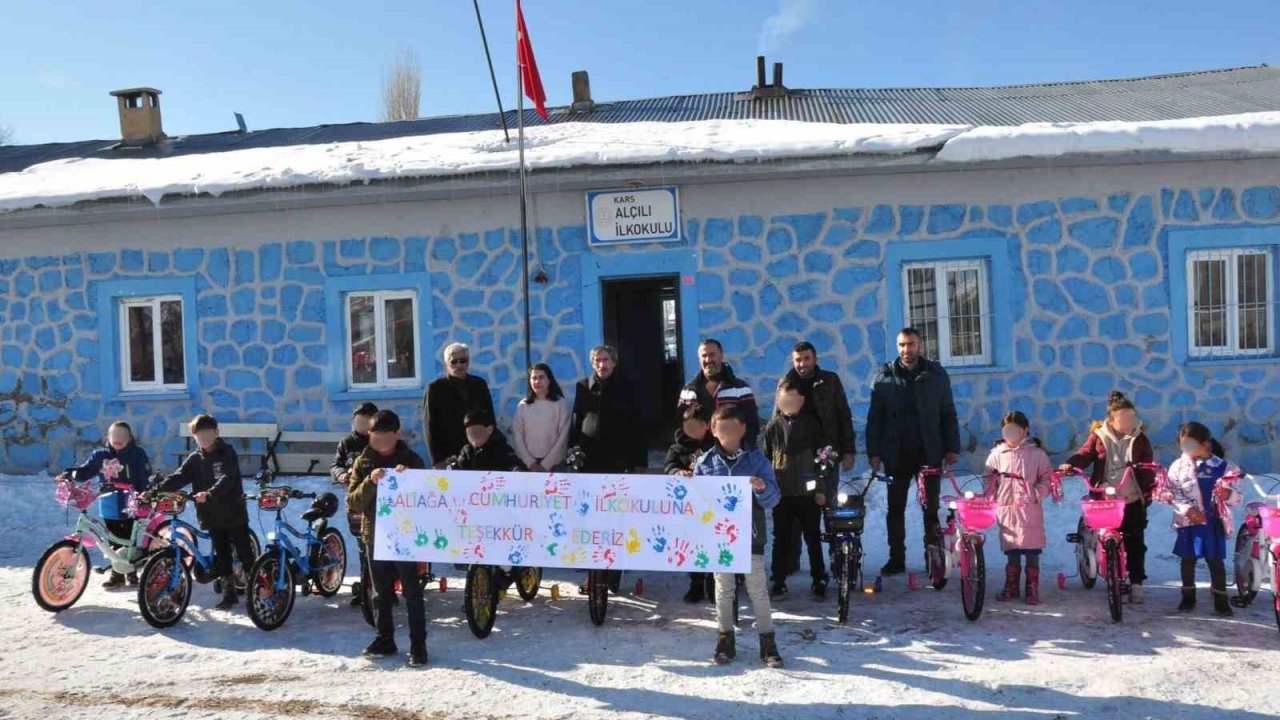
(329,561)
(973,579)
(481,601)
(528,580)
(598,595)
(1086,563)
(270,600)
(935,558)
(161,601)
(843,564)
(61,576)
(1246,575)
(1114,580)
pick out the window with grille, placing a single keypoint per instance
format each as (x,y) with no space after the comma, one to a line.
(1230,296)
(948,303)
(151,344)
(382,347)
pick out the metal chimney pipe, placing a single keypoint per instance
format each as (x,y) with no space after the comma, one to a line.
(760,71)
(777,74)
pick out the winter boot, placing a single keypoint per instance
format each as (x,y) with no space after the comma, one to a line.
(1218,581)
(1033,586)
(778,590)
(697,589)
(418,655)
(229,597)
(726,648)
(380,647)
(1012,576)
(819,589)
(113,581)
(895,566)
(769,650)
(132,579)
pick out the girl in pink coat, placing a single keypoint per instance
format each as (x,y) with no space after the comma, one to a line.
(1020,499)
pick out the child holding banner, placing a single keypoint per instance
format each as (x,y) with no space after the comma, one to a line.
(692,440)
(486,449)
(730,459)
(387,450)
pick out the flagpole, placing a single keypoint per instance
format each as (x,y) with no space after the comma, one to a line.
(524,213)
(492,77)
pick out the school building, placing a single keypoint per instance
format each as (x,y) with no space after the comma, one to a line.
(151,276)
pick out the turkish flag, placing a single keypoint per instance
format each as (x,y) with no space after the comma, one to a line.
(529,78)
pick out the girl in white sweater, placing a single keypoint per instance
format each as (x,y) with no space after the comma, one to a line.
(543,418)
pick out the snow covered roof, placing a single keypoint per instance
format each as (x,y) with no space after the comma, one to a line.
(1105,117)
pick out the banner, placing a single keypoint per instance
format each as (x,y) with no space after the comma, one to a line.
(623,522)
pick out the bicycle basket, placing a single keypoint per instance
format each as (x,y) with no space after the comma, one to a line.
(74,494)
(1270,521)
(1103,514)
(848,517)
(976,513)
(170,504)
(273,499)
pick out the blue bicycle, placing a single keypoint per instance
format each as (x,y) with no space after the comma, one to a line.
(164,587)
(319,556)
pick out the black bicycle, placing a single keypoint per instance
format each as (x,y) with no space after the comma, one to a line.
(844,524)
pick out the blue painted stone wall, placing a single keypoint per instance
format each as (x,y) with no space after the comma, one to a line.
(1092,314)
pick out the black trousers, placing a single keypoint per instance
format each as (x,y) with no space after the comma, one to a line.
(224,540)
(1134,527)
(802,513)
(909,463)
(384,574)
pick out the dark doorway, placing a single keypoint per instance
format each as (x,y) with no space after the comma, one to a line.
(642,320)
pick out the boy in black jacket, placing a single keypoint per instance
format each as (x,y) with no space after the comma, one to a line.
(213,472)
(486,449)
(791,444)
(692,440)
(349,448)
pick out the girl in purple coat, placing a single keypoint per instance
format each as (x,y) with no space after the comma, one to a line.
(1020,509)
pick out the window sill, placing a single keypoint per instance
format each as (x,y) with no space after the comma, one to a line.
(149,395)
(1239,360)
(977,369)
(396,393)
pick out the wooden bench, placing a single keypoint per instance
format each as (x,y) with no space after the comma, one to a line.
(246,434)
(313,458)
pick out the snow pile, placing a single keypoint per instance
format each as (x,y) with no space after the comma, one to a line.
(65,182)
(1251,132)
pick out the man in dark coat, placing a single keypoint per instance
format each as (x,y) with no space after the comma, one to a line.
(716,386)
(911,423)
(213,472)
(447,402)
(604,418)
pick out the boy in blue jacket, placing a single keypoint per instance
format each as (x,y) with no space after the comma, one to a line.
(130,467)
(730,458)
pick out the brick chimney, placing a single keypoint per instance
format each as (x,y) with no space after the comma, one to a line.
(139,116)
(582,101)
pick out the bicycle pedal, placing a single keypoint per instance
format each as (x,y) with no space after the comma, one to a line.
(1073,538)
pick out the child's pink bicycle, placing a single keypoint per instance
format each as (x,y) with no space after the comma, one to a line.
(1098,540)
(1257,557)
(961,541)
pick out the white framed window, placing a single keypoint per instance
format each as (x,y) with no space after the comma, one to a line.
(948,302)
(382,339)
(1230,294)
(152,352)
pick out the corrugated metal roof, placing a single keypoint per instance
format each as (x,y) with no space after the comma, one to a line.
(1162,97)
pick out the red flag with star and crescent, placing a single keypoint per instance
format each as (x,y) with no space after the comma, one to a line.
(529,77)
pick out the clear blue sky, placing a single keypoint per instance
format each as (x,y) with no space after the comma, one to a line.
(293,63)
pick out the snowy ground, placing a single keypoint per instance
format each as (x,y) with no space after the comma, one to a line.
(905,655)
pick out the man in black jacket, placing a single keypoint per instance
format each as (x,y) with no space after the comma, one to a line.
(213,472)
(447,402)
(604,418)
(717,386)
(911,423)
(349,448)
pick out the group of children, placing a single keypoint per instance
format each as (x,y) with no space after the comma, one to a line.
(784,479)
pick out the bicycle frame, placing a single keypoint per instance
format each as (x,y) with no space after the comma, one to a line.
(955,531)
(185,538)
(279,540)
(91,531)
(1264,550)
